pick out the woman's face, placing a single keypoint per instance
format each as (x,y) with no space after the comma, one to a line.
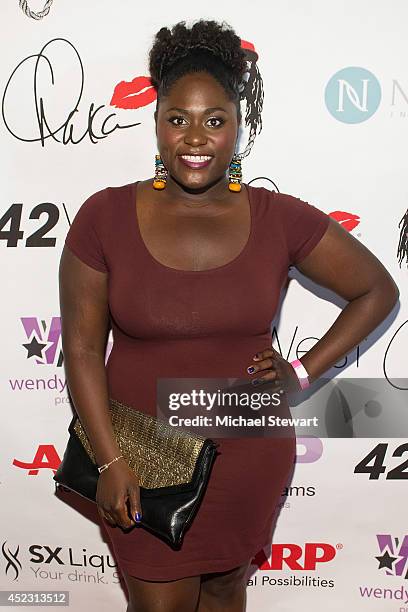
(196,119)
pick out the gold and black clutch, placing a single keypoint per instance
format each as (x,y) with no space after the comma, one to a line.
(172,466)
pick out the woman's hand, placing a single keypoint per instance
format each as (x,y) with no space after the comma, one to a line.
(279,372)
(117,486)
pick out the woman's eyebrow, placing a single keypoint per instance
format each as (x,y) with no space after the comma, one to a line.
(207,110)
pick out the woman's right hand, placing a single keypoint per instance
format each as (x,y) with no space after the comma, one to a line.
(118,485)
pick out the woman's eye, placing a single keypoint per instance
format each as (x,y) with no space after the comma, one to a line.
(213,121)
(176,120)
(180,121)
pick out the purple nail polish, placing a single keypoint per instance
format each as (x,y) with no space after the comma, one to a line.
(250,369)
(138,517)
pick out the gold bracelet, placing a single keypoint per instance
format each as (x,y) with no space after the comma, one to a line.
(106,465)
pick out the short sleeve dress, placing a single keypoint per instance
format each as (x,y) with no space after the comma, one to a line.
(208,323)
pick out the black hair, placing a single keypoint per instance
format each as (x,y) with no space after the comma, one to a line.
(253,94)
(402,250)
(207,46)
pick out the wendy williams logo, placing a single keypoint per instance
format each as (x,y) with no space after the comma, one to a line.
(54,108)
(394,554)
(45,117)
(43,340)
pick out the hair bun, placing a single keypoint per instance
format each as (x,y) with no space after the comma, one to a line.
(218,39)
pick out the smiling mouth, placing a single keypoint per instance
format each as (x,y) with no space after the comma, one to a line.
(196,161)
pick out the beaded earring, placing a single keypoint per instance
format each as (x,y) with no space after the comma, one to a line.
(160,177)
(235,174)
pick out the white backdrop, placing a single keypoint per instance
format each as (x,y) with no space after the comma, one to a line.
(337,141)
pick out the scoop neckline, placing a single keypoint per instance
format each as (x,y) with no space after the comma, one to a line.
(158,263)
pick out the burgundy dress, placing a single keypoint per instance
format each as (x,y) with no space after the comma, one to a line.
(208,323)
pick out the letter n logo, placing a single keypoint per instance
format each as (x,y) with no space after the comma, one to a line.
(353,95)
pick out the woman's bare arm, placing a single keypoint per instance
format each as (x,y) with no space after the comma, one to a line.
(85,327)
(84,311)
(342,264)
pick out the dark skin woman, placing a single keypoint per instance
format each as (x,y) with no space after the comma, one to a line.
(196,223)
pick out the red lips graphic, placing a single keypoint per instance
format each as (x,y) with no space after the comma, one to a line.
(249,47)
(348,220)
(137,93)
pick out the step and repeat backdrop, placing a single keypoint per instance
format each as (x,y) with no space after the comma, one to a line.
(326,122)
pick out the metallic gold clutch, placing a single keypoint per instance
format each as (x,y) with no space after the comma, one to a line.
(161,455)
(173,467)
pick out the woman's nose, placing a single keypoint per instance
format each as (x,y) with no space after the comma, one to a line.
(195,135)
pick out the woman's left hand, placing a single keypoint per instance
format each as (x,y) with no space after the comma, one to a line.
(275,370)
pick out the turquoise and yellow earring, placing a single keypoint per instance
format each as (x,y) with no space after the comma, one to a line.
(235,174)
(160,176)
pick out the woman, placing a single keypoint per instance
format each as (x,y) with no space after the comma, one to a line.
(187,269)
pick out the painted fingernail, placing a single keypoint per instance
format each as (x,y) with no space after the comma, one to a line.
(250,369)
(138,517)
(257,381)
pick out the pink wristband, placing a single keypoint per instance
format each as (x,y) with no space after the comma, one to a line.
(301,373)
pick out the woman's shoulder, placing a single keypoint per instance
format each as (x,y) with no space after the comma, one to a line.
(269,195)
(93,232)
(300,223)
(99,209)
(286,205)
(101,202)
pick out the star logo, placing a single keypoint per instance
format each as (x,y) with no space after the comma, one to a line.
(43,340)
(386,560)
(394,554)
(35,348)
